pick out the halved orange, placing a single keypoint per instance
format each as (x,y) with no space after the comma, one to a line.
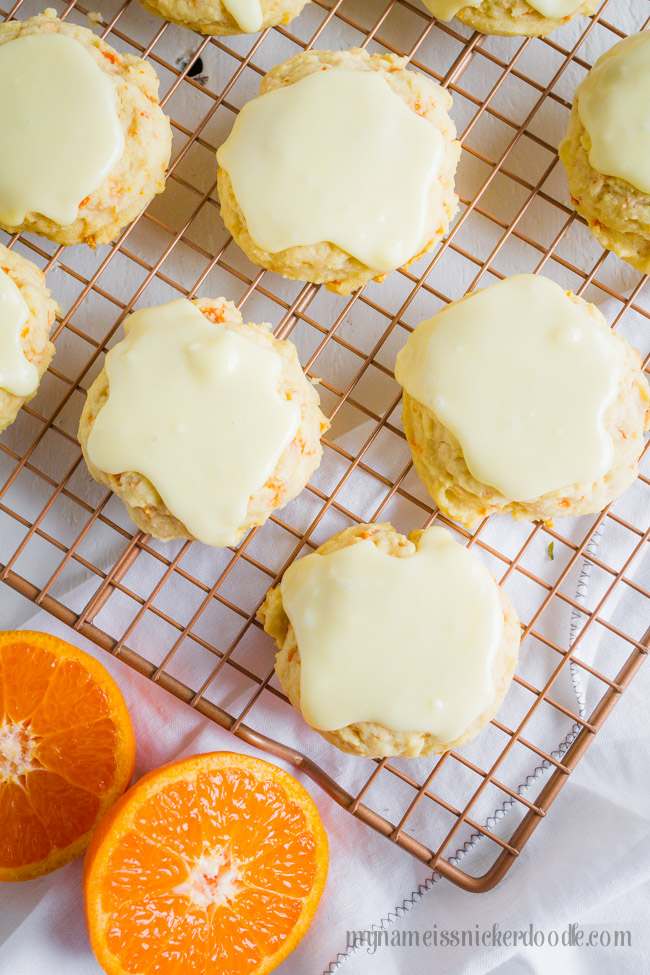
(213,864)
(66,751)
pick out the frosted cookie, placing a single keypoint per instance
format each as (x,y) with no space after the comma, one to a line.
(510,18)
(85,142)
(606,151)
(341,170)
(26,317)
(391,645)
(223,17)
(518,398)
(202,425)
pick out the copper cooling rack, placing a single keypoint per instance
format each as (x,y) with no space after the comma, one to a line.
(67,545)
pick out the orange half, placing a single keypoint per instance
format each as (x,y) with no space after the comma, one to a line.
(66,751)
(213,864)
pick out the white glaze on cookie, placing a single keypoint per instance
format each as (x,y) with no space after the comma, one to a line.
(447,9)
(61,134)
(406,642)
(337,157)
(522,376)
(613,107)
(247,13)
(195,408)
(17,374)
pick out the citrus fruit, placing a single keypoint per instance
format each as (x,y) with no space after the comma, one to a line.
(214,864)
(66,751)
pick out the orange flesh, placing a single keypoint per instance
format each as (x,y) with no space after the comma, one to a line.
(66,751)
(219,870)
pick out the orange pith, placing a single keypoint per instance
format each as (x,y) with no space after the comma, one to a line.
(214,864)
(66,751)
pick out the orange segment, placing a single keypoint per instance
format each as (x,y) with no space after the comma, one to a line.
(65,811)
(84,755)
(270,916)
(138,867)
(73,697)
(172,819)
(26,673)
(212,864)
(22,838)
(66,751)
(234,950)
(288,868)
(134,928)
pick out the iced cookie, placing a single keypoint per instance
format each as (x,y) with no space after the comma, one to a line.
(85,142)
(391,645)
(26,317)
(222,17)
(606,151)
(518,398)
(341,170)
(202,425)
(527,18)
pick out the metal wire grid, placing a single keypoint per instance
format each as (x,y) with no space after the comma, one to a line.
(74,531)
